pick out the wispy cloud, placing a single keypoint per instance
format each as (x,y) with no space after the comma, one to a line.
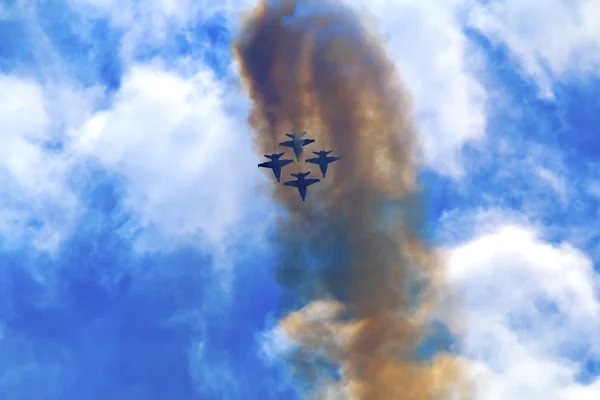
(552,41)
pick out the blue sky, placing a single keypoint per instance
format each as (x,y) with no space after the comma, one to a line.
(135,258)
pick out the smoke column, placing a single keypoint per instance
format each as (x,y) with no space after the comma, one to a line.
(351,256)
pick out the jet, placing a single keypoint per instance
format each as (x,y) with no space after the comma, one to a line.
(275,164)
(301,183)
(322,160)
(296,143)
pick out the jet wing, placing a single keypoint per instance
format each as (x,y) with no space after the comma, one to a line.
(307,141)
(289,143)
(309,182)
(313,161)
(293,184)
(268,164)
(332,159)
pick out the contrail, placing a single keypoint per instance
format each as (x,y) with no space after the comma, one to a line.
(351,255)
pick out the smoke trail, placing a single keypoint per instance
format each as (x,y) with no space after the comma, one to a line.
(353,249)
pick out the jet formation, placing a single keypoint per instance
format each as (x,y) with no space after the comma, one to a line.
(297,144)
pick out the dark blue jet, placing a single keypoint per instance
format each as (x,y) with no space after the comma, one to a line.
(296,143)
(301,183)
(275,164)
(322,160)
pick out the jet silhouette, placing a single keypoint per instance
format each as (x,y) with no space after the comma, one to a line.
(322,160)
(275,164)
(296,143)
(301,183)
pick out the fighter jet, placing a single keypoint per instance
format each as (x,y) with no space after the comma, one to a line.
(275,164)
(296,143)
(322,160)
(301,183)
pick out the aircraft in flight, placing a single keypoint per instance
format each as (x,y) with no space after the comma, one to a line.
(276,164)
(301,183)
(323,160)
(297,143)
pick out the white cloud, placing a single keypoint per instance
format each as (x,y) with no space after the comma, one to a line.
(584,392)
(178,140)
(185,153)
(439,67)
(549,38)
(36,202)
(527,304)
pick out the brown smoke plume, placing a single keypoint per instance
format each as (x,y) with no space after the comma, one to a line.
(353,249)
